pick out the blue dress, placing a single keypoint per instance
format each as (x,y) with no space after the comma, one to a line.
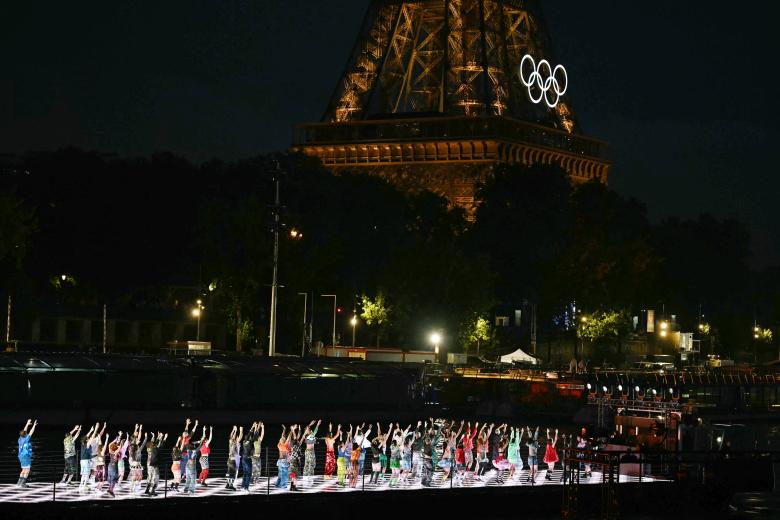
(25,451)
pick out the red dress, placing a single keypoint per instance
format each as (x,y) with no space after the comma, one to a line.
(550,455)
(330,462)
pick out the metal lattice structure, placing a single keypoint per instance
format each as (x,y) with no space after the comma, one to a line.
(449,57)
(437,81)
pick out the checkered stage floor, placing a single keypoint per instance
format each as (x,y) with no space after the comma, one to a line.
(44,492)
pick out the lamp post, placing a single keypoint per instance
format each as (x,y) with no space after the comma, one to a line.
(583,321)
(435,338)
(196,312)
(303,334)
(353,322)
(274,280)
(334,316)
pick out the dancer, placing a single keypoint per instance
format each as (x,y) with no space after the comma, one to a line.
(309,457)
(184,443)
(427,461)
(100,466)
(361,437)
(376,464)
(417,447)
(136,473)
(85,459)
(383,456)
(482,451)
(395,462)
(257,452)
(176,465)
(114,454)
(234,445)
(341,463)
(407,456)
(205,451)
(550,455)
(355,460)
(247,449)
(295,454)
(122,455)
(25,451)
(191,467)
(533,447)
(582,444)
(513,453)
(448,450)
(69,450)
(330,454)
(95,447)
(283,464)
(500,462)
(435,433)
(152,457)
(468,447)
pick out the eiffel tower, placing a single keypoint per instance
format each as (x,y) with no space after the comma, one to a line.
(437,92)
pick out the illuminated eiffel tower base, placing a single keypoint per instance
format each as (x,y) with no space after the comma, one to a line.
(437,92)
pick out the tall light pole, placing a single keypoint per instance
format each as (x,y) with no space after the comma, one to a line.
(8,323)
(334,316)
(105,315)
(303,335)
(435,338)
(353,322)
(274,283)
(196,312)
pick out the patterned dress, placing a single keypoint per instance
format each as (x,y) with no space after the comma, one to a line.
(295,460)
(330,460)
(310,459)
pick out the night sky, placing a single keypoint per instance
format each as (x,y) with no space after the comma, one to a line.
(680,89)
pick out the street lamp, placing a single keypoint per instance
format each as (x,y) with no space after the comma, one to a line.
(196,312)
(583,320)
(334,316)
(436,339)
(353,322)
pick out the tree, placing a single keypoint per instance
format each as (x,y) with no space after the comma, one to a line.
(609,260)
(375,313)
(17,224)
(475,331)
(605,326)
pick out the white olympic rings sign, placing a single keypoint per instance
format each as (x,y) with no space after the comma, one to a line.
(551,83)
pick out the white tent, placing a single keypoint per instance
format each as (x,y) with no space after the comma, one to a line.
(519,356)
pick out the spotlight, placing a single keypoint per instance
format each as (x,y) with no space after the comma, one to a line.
(654,392)
(620,388)
(589,387)
(604,388)
(636,389)
(671,390)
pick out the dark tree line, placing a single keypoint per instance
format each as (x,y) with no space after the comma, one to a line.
(155,233)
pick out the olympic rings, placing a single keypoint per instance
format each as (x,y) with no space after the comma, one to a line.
(546,81)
